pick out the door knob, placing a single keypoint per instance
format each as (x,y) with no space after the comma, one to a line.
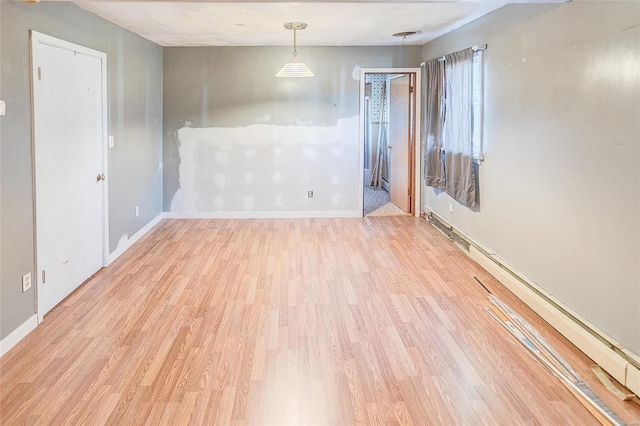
(100,177)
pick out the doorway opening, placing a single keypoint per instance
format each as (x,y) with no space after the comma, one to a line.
(390,154)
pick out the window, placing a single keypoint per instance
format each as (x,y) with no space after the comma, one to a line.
(453,123)
(477,116)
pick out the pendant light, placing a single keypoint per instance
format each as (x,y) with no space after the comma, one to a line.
(295,67)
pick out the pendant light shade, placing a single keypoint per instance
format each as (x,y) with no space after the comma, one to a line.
(295,68)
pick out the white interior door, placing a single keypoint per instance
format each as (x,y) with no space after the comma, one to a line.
(69,162)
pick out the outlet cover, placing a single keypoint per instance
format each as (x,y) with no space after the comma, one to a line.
(26,282)
(137,211)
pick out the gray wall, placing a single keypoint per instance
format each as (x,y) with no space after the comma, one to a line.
(239,140)
(135,111)
(560,186)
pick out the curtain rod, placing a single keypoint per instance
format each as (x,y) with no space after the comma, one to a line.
(475,48)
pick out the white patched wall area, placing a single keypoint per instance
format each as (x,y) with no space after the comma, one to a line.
(265,168)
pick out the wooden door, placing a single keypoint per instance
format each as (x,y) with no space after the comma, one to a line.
(399,142)
(68,93)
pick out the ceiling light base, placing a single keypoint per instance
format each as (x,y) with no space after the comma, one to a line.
(295,25)
(405,34)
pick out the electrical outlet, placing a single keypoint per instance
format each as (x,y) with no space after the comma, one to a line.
(309,194)
(26,282)
(450,208)
(137,211)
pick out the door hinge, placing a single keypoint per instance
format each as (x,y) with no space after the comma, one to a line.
(44,277)
(39,73)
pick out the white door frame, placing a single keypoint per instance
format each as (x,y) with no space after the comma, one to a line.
(38,39)
(417,172)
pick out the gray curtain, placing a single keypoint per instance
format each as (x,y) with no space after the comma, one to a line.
(460,179)
(433,124)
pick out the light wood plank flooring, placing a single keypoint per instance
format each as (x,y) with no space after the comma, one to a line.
(306,322)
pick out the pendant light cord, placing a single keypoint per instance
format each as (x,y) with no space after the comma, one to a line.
(295,52)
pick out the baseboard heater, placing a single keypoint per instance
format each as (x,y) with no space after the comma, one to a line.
(614,358)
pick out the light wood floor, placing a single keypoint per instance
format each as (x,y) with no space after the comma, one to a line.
(306,322)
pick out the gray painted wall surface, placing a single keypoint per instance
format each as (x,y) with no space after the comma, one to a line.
(135,111)
(238,139)
(560,186)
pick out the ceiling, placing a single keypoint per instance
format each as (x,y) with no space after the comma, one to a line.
(260,23)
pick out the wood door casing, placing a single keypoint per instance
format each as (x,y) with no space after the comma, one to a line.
(399,142)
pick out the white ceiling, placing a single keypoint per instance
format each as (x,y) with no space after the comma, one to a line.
(260,23)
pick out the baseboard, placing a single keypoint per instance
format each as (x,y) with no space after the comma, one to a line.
(18,334)
(133,239)
(619,362)
(262,215)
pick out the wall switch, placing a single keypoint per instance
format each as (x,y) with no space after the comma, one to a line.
(112,142)
(3,107)
(137,211)
(26,282)
(309,194)
(450,208)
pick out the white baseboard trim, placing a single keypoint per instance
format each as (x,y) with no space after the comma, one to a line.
(587,337)
(262,215)
(133,239)
(18,334)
